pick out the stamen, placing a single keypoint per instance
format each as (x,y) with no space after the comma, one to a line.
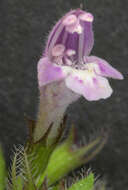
(70,20)
(86,17)
(80,48)
(58,50)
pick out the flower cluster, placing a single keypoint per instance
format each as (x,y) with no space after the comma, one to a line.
(66,57)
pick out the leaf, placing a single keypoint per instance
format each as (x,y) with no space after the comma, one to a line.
(84,184)
(13,173)
(65,158)
(38,153)
(55,188)
(16,180)
(20,175)
(2,171)
(19,183)
(27,173)
(38,157)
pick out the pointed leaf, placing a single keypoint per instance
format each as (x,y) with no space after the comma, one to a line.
(65,158)
(13,173)
(29,185)
(38,153)
(19,183)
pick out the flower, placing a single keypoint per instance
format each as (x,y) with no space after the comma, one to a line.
(66,57)
(66,71)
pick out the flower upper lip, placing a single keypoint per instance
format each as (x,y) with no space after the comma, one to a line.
(72,31)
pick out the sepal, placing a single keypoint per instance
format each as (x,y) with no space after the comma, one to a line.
(68,157)
(38,153)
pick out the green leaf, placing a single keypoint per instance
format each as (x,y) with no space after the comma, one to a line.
(84,184)
(38,156)
(66,158)
(55,188)
(17,181)
(13,173)
(60,185)
(20,172)
(38,153)
(2,171)
(28,174)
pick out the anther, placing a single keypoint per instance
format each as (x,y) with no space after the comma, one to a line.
(58,50)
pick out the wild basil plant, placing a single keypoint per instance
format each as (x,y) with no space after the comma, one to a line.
(66,71)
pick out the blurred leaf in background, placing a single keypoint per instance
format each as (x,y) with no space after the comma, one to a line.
(2,170)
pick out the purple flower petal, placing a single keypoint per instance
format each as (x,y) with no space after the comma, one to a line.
(92,88)
(73,31)
(48,72)
(86,20)
(105,68)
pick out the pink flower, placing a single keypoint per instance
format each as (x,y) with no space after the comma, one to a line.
(66,57)
(66,71)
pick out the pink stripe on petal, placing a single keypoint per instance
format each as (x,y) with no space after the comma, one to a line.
(105,68)
(48,72)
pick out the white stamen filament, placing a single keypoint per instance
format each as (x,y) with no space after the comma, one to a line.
(80,47)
